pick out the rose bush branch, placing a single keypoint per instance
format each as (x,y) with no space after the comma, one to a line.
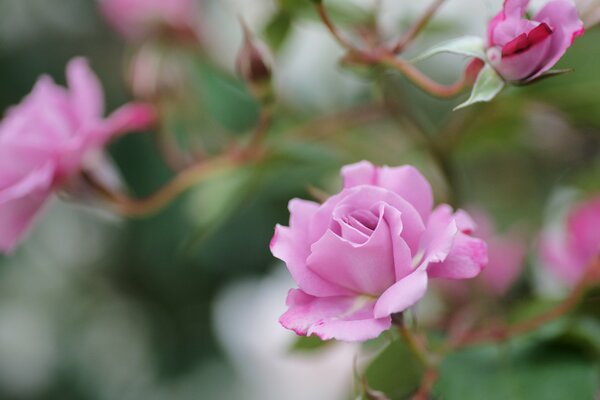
(417,27)
(381,56)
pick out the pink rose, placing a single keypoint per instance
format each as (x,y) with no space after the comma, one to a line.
(521,49)
(368,252)
(135,19)
(44,141)
(568,251)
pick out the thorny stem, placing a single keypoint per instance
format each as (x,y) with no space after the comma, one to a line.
(420,79)
(332,28)
(387,57)
(415,29)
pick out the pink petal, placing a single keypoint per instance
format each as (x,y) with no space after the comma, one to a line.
(342,318)
(130,118)
(360,173)
(438,239)
(403,294)
(292,246)
(563,18)
(411,185)
(20,203)
(86,91)
(363,198)
(368,268)
(405,181)
(466,259)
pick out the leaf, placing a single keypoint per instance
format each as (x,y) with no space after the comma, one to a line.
(395,371)
(472,46)
(221,93)
(309,343)
(518,372)
(487,86)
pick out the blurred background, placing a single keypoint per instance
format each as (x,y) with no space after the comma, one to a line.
(184,304)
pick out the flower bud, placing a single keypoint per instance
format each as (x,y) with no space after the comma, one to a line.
(522,50)
(252,65)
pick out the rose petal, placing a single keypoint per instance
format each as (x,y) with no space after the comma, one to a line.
(292,246)
(405,181)
(403,294)
(20,203)
(466,259)
(86,92)
(367,268)
(342,318)
(563,18)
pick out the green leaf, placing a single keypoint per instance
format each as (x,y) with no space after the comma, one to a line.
(309,343)
(395,371)
(487,86)
(277,29)
(472,46)
(221,93)
(518,372)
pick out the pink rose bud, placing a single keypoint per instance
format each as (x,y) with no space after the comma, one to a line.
(572,248)
(137,19)
(521,49)
(44,141)
(368,252)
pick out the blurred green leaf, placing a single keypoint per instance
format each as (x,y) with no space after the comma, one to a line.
(518,371)
(309,343)
(395,371)
(278,29)
(221,94)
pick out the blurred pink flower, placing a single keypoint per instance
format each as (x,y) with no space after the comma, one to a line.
(44,141)
(369,251)
(568,251)
(521,49)
(506,254)
(135,19)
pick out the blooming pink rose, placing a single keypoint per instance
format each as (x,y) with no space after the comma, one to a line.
(45,139)
(134,19)
(521,49)
(367,252)
(570,250)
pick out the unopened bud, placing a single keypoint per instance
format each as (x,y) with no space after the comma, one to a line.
(251,63)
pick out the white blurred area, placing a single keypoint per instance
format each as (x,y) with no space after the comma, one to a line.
(259,349)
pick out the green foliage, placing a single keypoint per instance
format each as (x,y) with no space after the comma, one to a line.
(528,371)
(395,371)
(226,99)
(487,86)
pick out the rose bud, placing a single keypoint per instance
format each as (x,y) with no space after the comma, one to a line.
(368,252)
(46,140)
(251,64)
(137,19)
(521,50)
(571,247)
